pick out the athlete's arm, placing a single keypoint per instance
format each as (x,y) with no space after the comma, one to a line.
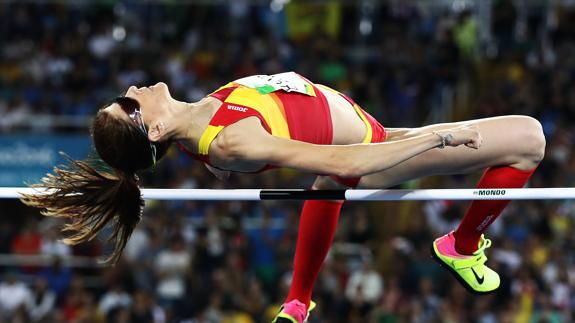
(249,142)
(393,134)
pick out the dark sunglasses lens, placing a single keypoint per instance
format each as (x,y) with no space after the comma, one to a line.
(129,105)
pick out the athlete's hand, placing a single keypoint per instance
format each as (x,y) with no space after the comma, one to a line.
(463,135)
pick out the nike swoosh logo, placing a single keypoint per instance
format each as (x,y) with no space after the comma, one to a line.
(479,280)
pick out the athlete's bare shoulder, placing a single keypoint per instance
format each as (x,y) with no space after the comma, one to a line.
(229,148)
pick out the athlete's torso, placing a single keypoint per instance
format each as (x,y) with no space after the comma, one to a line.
(287,106)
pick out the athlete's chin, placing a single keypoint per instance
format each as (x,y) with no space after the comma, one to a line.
(161,88)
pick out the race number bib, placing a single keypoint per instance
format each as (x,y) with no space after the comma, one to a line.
(289,82)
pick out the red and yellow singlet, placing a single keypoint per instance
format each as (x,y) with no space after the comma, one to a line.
(288,106)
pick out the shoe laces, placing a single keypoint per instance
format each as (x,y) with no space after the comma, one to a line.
(483,244)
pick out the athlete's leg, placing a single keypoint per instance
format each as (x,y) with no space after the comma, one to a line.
(515,144)
(317,227)
(514,141)
(512,148)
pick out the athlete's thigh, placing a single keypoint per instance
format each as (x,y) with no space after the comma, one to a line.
(506,141)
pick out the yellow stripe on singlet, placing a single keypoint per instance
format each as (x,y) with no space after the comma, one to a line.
(279,104)
(360,113)
(265,104)
(207,137)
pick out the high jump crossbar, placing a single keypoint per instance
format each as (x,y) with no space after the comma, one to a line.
(554,193)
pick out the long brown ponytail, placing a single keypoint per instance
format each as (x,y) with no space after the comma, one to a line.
(90,198)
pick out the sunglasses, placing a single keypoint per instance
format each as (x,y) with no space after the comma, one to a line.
(132,108)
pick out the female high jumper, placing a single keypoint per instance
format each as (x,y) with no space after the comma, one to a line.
(284,120)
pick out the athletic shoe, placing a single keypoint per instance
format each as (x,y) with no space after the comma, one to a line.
(469,270)
(294,311)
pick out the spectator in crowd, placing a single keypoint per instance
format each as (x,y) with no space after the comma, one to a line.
(51,244)
(27,242)
(263,241)
(172,266)
(15,297)
(42,302)
(364,288)
(138,245)
(115,299)
(58,276)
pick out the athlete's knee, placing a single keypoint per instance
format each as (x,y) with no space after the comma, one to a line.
(534,138)
(528,140)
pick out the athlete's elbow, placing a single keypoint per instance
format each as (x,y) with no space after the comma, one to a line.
(347,168)
(347,173)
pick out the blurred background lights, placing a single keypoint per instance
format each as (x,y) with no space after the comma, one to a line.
(119,33)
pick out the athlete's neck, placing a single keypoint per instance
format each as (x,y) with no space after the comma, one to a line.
(189,120)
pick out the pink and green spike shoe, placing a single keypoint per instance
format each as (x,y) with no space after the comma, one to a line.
(470,271)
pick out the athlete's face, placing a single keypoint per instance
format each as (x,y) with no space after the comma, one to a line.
(152,101)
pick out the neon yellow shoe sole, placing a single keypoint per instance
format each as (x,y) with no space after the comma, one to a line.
(470,271)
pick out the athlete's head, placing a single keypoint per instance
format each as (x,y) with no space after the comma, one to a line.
(126,136)
(126,131)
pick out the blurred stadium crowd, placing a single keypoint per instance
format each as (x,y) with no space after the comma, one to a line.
(406,62)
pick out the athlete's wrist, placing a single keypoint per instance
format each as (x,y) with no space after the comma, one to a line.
(445,139)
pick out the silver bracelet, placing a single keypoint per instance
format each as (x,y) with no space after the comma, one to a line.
(443,140)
